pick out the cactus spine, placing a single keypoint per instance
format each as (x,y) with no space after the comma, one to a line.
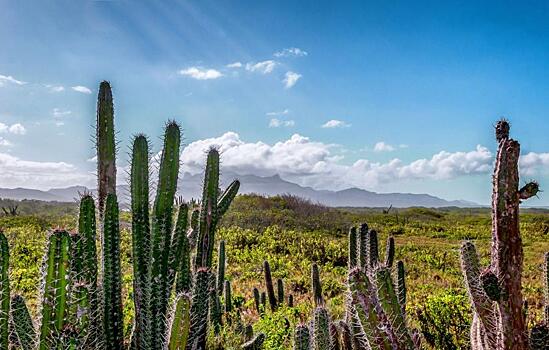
(496,293)
(352,248)
(22,323)
(106,145)
(221,267)
(302,338)
(199,310)
(179,323)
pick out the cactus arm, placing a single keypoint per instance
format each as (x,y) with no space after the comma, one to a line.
(22,323)
(62,282)
(227,197)
(362,242)
(48,291)
(184,276)
(208,211)
(390,304)
(482,305)
(106,145)
(352,248)
(112,277)
(228,297)
(162,227)
(257,300)
(269,286)
(4,291)
(401,285)
(221,267)
(199,310)
(179,323)
(180,244)
(302,338)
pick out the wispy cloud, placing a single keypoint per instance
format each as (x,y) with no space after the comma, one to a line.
(334,123)
(277,123)
(234,65)
(263,67)
(82,89)
(290,79)
(59,116)
(284,112)
(200,73)
(292,51)
(9,79)
(55,88)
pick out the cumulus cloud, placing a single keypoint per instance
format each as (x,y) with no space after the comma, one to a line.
(54,88)
(263,67)
(382,146)
(292,51)
(334,123)
(9,79)
(290,79)
(200,73)
(16,129)
(310,163)
(277,123)
(82,89)
(43,175)
(534,163)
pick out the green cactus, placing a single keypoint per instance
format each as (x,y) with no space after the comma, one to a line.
(390,252)
(280,291)
(362,246)
(113,327)
(269,286)
(373,248)
(317,286)
(55,289)
(4,291)
(302,339)
(334,336)
(25,332)
(321,329)
(180,322)
(179,264)
(106,144)
(401,284)
(257,300)
(221,267)
(352,248)
(228,297)
(199,310)
(346,335)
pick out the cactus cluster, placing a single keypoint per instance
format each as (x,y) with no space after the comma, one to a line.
(499,311)
(375,308)
(171,295)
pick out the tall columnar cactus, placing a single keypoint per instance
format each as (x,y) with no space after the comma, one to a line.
(179,324)
(496,292)
(269,285)
(352,251)
(162,223)
(106,145)
(362,246)
(113,328)
(4,291)
(55,289)
(221,267)
(316,286)
(280,291)
(321,329)
(22,323)
(199,310)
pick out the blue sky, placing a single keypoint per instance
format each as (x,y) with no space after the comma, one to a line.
(388,96)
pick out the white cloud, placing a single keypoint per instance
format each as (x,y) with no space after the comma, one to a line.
(534,163)
(292,51)
(54,88)
(82,89)
(315,164)
(290,79)
(334,123)
(43,175)
(263,67)
(284,112)
(4,142)
(383,147)
(9,79)
(277,123)
(17,129)
(199,73)
(60,113)
(234,65)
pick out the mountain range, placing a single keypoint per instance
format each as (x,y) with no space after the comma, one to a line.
(190,186)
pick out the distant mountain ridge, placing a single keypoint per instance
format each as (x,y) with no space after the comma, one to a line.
(190,186)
